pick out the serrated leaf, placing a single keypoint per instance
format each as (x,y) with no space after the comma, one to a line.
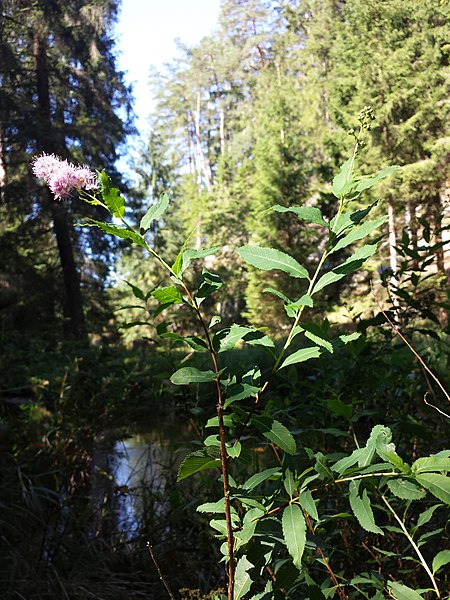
(341,179)
(278,294)
(137,292)
(168,295)
(442,558)
(270,259)
(403,592)
(437,484)
(198,461)
(366,183)
(316,334)
(362,509)
(353,262)
(187,375)
(276,432)
(258,478)
(211,283)
(155,211)
(307,502)
(345,339)
(213,507)
(429,464)
(111,196)
(242,578)
(301,356)
(194,254)
(426,516)
(358,233)
(294,532)
(121,232)
(310,214)
(289,484)
(406,490)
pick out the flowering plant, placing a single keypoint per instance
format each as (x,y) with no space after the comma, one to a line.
(271,523)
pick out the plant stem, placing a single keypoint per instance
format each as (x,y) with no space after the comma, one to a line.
(223,447)
(414,545)
(161,576)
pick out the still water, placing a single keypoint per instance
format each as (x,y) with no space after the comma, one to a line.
(132,474)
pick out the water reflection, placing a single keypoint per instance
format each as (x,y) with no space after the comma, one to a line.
(131,478)
(139,471)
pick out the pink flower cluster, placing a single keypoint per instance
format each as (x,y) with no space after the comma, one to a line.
(61,176)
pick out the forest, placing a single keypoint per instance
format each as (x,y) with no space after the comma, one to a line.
(225,371)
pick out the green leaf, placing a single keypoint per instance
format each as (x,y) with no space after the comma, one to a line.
(358,233)
(208,458)
(239,391)
(276,433)
(307,502)
(442,558)
(235,334)
(310,214)
(362,509)
(431,463)
(187,375)
(301,356)
(155,211)
(405,489)
(242,578)
(426,516)
(195,253)
(121,232)
(195,342)
(248,334)
(289,484)
(341,179)
(278,294)
(339,408)
(294,532)
(212,507)
(402,592)
(352,263)
(111,196)
(168,295)
(345,339)
(438,485)
(211,283)
(316,334)
(365,183)
(258,478)
(269,258)
(137,292)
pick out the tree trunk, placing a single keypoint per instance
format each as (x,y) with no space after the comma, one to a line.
(74,325)
(392,254)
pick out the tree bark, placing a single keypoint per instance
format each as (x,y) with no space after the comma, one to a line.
(74,321)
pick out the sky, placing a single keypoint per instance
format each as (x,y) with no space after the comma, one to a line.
(146,35)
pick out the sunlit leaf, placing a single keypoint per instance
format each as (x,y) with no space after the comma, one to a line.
(310,214)
(362,509)
(242,578)
(403,592)
(342,178)
(111,196)
(438,485)
(168,295)
(294,532)
(301,356)
(187,375)
(442,558)
(269,258)
(405,489)
(207,458)
(154,212)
